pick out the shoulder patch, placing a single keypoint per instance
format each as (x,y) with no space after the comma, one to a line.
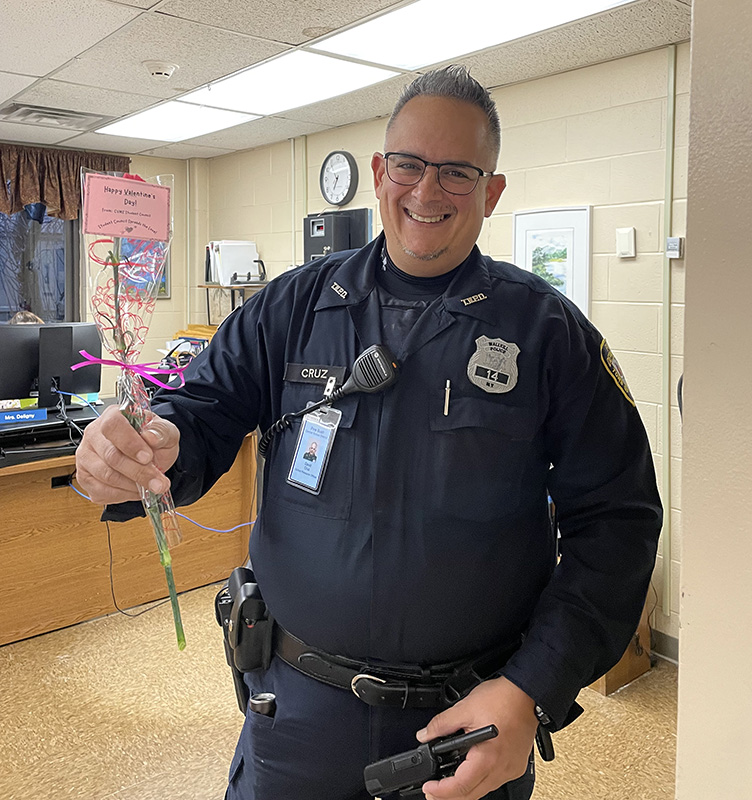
(614,370)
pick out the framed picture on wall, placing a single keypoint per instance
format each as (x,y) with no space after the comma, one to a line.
(134,249)
(554,243)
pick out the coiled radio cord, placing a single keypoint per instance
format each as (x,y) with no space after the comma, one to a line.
(374,370)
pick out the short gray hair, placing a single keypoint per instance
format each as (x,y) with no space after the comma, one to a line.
(455,83)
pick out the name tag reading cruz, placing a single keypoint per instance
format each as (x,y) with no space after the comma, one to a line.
(313,373)
(312,450)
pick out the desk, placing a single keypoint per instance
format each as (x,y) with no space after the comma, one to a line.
(54,560)
(236,288)
(21,442)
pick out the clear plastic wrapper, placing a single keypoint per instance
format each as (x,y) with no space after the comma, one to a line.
(125,273)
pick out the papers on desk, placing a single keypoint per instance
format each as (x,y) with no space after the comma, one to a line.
(184,345)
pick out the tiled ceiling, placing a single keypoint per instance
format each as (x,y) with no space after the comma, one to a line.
(86,56)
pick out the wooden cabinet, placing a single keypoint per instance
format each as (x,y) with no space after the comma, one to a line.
(55,559)
(634,662)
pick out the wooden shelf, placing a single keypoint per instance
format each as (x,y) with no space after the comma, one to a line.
(256,285)
(239,289)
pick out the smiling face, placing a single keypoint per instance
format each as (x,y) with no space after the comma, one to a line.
(428,230)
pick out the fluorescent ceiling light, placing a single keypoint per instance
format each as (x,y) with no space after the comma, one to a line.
(293,80)
(432,31)
(174,122)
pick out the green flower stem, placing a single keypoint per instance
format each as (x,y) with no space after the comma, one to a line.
(175,607)
(150,501)
(114,258)
(152,507)
(134,407)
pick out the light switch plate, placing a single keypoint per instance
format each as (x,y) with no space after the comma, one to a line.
(625,243)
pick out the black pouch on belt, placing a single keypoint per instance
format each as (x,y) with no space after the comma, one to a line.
(247,627)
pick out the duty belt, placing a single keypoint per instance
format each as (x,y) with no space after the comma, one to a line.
(400,685)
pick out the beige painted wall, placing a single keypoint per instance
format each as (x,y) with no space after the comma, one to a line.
(715,690)
(594,136)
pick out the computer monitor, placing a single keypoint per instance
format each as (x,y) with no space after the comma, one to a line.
(59,346)
(19,360)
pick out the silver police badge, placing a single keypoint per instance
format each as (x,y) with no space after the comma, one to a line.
(493,365)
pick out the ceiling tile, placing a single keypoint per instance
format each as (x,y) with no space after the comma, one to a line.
(182,150)
(32,134)
(257,133)
(90,99)
(93,62)
(69,27)
(202,53)
(604,37)
(111,144)
(11,85)
(288,21)
(373,101)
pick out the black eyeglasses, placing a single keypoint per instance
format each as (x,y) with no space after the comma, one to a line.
(407,170)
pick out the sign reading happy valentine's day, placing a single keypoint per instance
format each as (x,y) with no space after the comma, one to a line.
(126,207)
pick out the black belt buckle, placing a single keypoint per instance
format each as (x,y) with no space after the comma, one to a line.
(379,692)
(376,691)
(398,686)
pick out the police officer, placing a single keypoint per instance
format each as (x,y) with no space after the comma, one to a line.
(425,557)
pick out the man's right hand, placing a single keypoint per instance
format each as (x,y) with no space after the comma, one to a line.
(113,459)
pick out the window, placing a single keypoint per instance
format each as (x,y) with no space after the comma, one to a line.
(39,265)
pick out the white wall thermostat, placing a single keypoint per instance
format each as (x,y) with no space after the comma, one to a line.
(675,247)
(625,243)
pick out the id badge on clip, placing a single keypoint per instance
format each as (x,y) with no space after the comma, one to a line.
(317,432)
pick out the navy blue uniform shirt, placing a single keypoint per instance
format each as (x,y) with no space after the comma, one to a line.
(430,538)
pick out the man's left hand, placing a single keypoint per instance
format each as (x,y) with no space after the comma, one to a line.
(493,763)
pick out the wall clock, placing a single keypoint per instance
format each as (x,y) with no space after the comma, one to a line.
(338,178)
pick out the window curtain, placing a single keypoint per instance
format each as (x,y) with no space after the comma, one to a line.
(31,175)
(40,199)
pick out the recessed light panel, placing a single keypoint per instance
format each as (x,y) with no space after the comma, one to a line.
(293,80)
(175,121)
(432,31)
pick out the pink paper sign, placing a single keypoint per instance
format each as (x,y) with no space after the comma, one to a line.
(126,207)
